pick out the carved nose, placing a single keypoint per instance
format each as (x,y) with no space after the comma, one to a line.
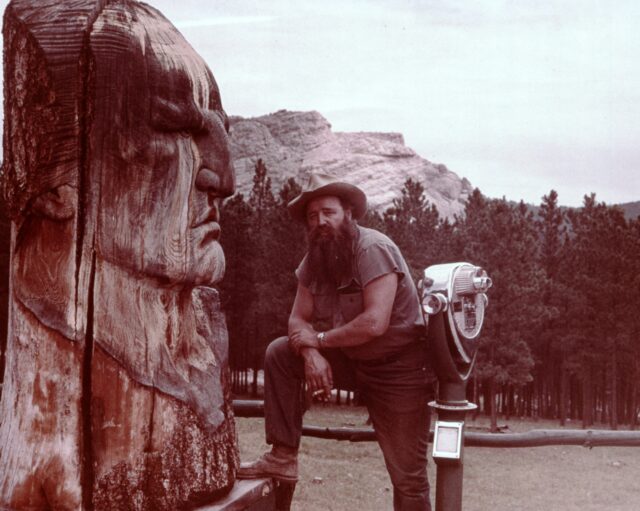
(219,184)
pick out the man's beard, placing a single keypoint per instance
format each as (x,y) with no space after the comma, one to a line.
(330,253)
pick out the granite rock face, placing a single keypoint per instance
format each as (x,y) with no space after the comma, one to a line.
(293,144)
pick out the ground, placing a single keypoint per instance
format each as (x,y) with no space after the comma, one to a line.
(341,476)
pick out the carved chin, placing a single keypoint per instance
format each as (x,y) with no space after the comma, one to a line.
(191,265)
(208,265)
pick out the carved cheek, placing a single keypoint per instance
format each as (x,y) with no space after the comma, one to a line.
(145,206)
(169,207)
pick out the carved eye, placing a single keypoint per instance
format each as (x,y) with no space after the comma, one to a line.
(171,116)
(173,106)
(220,119)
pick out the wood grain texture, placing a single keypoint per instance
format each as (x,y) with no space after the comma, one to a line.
(40,460)
(152,451)
(116,392)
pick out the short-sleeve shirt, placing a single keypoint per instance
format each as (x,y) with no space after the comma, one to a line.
(375,255)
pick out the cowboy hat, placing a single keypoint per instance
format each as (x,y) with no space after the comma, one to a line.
(320,185)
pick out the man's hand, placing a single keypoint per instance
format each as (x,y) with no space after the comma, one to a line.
(303,338)
(317,372)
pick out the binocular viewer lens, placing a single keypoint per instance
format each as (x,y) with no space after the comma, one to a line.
(454,284)
(434,303)
(469,281)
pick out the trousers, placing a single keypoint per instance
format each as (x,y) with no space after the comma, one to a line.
(396,391)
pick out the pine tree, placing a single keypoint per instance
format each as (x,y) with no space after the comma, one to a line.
(502,239)
(632,357)
(598,269)
(549,346)
(261,198)
(564,295)
(237,286)
(412,223)
(289,191)
(289,246)
(260,313)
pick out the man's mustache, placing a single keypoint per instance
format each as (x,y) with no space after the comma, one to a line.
(323,231)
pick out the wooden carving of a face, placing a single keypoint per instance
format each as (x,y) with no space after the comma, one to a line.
(158,151)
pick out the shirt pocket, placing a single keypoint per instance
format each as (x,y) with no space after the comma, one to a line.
(351,304)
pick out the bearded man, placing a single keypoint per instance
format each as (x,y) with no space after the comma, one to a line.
(356,321)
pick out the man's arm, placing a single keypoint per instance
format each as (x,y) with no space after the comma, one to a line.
(302,311)
(378,296)
(317,370)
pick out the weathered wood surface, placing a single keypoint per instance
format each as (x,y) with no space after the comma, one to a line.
(533,438)
(116,392)
(256,495)
(248,407)
(247,495)
(542,437)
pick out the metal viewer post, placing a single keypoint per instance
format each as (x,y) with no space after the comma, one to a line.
(453,301)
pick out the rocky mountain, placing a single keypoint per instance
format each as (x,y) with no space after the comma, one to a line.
(293,144)
(631,209)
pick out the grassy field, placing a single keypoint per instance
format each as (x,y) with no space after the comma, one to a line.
(337,476)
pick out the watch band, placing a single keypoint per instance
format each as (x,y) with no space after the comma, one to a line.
(320,338)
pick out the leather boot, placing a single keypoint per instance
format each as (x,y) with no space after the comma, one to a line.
(281,463)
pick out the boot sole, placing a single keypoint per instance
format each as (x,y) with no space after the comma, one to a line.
(266,474)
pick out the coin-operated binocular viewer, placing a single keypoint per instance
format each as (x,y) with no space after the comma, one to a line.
(453,301)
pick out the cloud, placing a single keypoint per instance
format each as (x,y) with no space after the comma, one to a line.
(224,20)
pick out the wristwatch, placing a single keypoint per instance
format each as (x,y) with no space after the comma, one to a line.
(320,338)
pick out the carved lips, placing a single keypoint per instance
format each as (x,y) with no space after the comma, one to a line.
(208,181)
(209,225)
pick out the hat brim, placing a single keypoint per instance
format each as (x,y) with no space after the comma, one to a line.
(351,193)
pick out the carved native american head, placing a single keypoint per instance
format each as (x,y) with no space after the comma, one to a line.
(115,143)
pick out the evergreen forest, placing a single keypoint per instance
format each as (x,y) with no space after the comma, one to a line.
(561,338)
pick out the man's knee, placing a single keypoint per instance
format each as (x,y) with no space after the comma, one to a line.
(280,355)
(277,349)
(282,367)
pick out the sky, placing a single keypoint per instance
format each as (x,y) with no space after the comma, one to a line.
(519,97)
